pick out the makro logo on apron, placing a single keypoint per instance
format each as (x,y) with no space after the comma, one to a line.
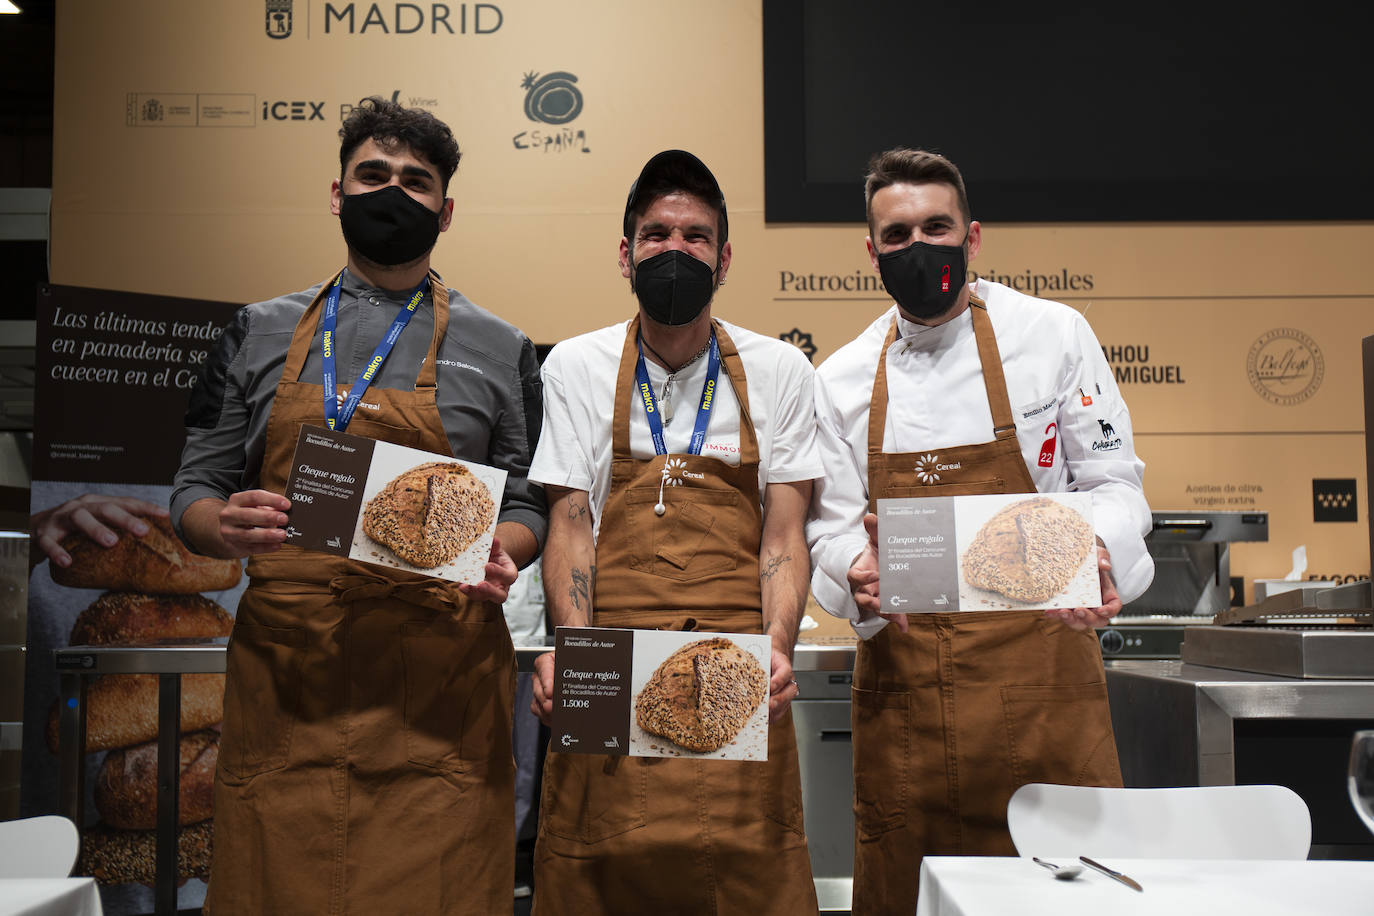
(929,468)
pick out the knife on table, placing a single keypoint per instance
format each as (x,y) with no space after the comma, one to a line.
(1114,875)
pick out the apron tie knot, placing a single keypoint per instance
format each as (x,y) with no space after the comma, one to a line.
(365,587)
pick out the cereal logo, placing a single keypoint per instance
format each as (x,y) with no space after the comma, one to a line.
(1285,366)
(673,471)
(925,469)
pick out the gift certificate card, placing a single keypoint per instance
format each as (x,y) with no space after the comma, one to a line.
(661,693)
(394,506)
(1022,551)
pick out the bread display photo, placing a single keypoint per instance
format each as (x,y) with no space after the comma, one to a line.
(1029,551)
(430,514)
(661,693)
(389,505)
(987,552)
(702,695)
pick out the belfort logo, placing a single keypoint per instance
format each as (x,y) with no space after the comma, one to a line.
(387,18)
(1285,366)
(552,99)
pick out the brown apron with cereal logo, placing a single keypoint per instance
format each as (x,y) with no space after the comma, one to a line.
(365,764)
(622,835)
(951,718)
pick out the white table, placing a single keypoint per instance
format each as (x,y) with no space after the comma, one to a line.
(991,886)
(49,897)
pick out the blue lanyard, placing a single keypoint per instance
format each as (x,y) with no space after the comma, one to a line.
(708,400)
(337,417)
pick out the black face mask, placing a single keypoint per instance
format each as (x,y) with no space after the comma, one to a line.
(673,286)
(924,279)
(388,226)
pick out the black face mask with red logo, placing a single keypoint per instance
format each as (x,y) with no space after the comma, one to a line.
(924,279)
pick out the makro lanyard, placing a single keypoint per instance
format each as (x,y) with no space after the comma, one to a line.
(708,400)
(335,416)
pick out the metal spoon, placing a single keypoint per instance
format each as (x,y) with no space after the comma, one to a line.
(1062,872)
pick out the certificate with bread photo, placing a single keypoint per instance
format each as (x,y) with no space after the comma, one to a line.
(394,506)
(661,693)
(1021,551)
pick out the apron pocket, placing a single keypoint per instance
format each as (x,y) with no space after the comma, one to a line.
(694,539)
(1060,735)
(459,692)
(882,760)
(583,802)
(262,691)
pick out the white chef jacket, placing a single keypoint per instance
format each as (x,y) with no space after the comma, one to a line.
(579,402)
(1061,389)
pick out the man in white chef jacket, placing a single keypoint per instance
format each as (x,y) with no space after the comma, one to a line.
(973,388)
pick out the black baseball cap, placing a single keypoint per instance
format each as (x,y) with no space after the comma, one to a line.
(669,171)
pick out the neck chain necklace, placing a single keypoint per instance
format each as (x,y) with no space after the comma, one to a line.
(665,400)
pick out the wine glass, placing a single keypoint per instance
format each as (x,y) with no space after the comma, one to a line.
(1360,781)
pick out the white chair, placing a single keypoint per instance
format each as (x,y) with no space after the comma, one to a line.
(1210,822)
(38,847)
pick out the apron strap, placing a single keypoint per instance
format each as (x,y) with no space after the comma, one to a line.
(994,380)
(304,335)
(734,368)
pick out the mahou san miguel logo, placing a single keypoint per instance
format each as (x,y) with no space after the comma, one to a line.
(929,468)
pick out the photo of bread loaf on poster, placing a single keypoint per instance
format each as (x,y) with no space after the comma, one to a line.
(1034,552)
(708,697)
(433,517)
(151,592)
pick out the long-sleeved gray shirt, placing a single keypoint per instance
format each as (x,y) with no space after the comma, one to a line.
(489,394)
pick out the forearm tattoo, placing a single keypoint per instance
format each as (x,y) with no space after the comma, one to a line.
(576,509)
(773,565)
(581,589)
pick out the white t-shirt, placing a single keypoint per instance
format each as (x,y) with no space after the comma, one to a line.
(1060,387)
(579,403)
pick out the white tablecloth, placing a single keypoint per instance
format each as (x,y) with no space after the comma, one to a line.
(990,886)
(49,897)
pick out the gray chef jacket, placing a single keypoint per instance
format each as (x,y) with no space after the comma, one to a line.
(488,390)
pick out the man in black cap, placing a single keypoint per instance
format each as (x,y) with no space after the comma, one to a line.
(678,454)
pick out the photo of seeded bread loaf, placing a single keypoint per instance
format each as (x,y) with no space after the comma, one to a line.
(430,514)
(1029,551)
(117,618)
(157,562)
(702,695)
(126,786)
(115,856)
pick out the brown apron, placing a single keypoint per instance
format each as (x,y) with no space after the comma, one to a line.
(954,716)
(365,764)
(623,835)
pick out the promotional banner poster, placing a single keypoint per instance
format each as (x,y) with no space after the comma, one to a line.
(201,139)
(661,693)
(114,374)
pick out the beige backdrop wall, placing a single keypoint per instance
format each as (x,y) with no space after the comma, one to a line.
(194,151)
